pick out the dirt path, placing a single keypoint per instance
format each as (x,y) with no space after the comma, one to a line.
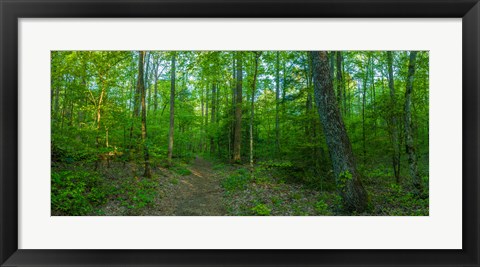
(197,194)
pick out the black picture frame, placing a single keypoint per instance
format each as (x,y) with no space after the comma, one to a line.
(11,11)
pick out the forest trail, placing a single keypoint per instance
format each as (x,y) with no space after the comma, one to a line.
(198,194)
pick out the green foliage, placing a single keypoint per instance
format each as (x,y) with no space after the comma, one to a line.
(262,210)
(77,192)
(182,170)
(218,167)
(321,207)
(236,181)
(136,195)
(93,120)
(143,195)
(343,179)
(275,164)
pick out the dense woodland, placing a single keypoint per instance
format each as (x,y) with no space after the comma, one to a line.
(239,132)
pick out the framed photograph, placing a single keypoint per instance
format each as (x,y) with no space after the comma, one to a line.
(168,133)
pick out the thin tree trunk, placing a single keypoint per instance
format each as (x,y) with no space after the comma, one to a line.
(213,120)
(348,181)
(364,98)
(339,79)
(234,86)
(372,75)
(133,104)
(155,94)
(410,146)
(98,118)
(252,108)
(393,119)
(206,120)
(344,90)
(202,121)
(172,110)
(237,141)
(277,105)
(56,103)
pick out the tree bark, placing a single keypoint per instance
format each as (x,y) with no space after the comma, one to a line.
(252,108)
(277,105)
(141,89)
(98,116)
(354,196)
(231,137)
(393,119)
(364,98)
(410,146)
(213,120)
(155,94)
(237,140)
(339,79)
(172,110)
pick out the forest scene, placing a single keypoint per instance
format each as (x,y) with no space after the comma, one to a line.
(239,133)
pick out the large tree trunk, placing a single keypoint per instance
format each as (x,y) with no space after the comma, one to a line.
(172,110)
(393,119)
(237,140)
(348,181)
(409,143)
(141,89)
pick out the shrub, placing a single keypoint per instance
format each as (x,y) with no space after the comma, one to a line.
(321,207)
(76,192)
(262,210)
(235,182)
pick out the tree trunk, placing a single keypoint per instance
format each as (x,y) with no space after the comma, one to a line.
(56,103)
(202,134)
(339,79)
(155,94)
(348,181)
(206,120)
(344,89)
(372,75)
(232,121)
(277,105)
(237,140)
(393,120)
(147,77)
(252,108)
(141,89)
(213,120)
(409,143)
(364,98)
(98,117)
(172,110)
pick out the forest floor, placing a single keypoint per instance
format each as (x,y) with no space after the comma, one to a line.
(197,194)
(184,190)
(203,187)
